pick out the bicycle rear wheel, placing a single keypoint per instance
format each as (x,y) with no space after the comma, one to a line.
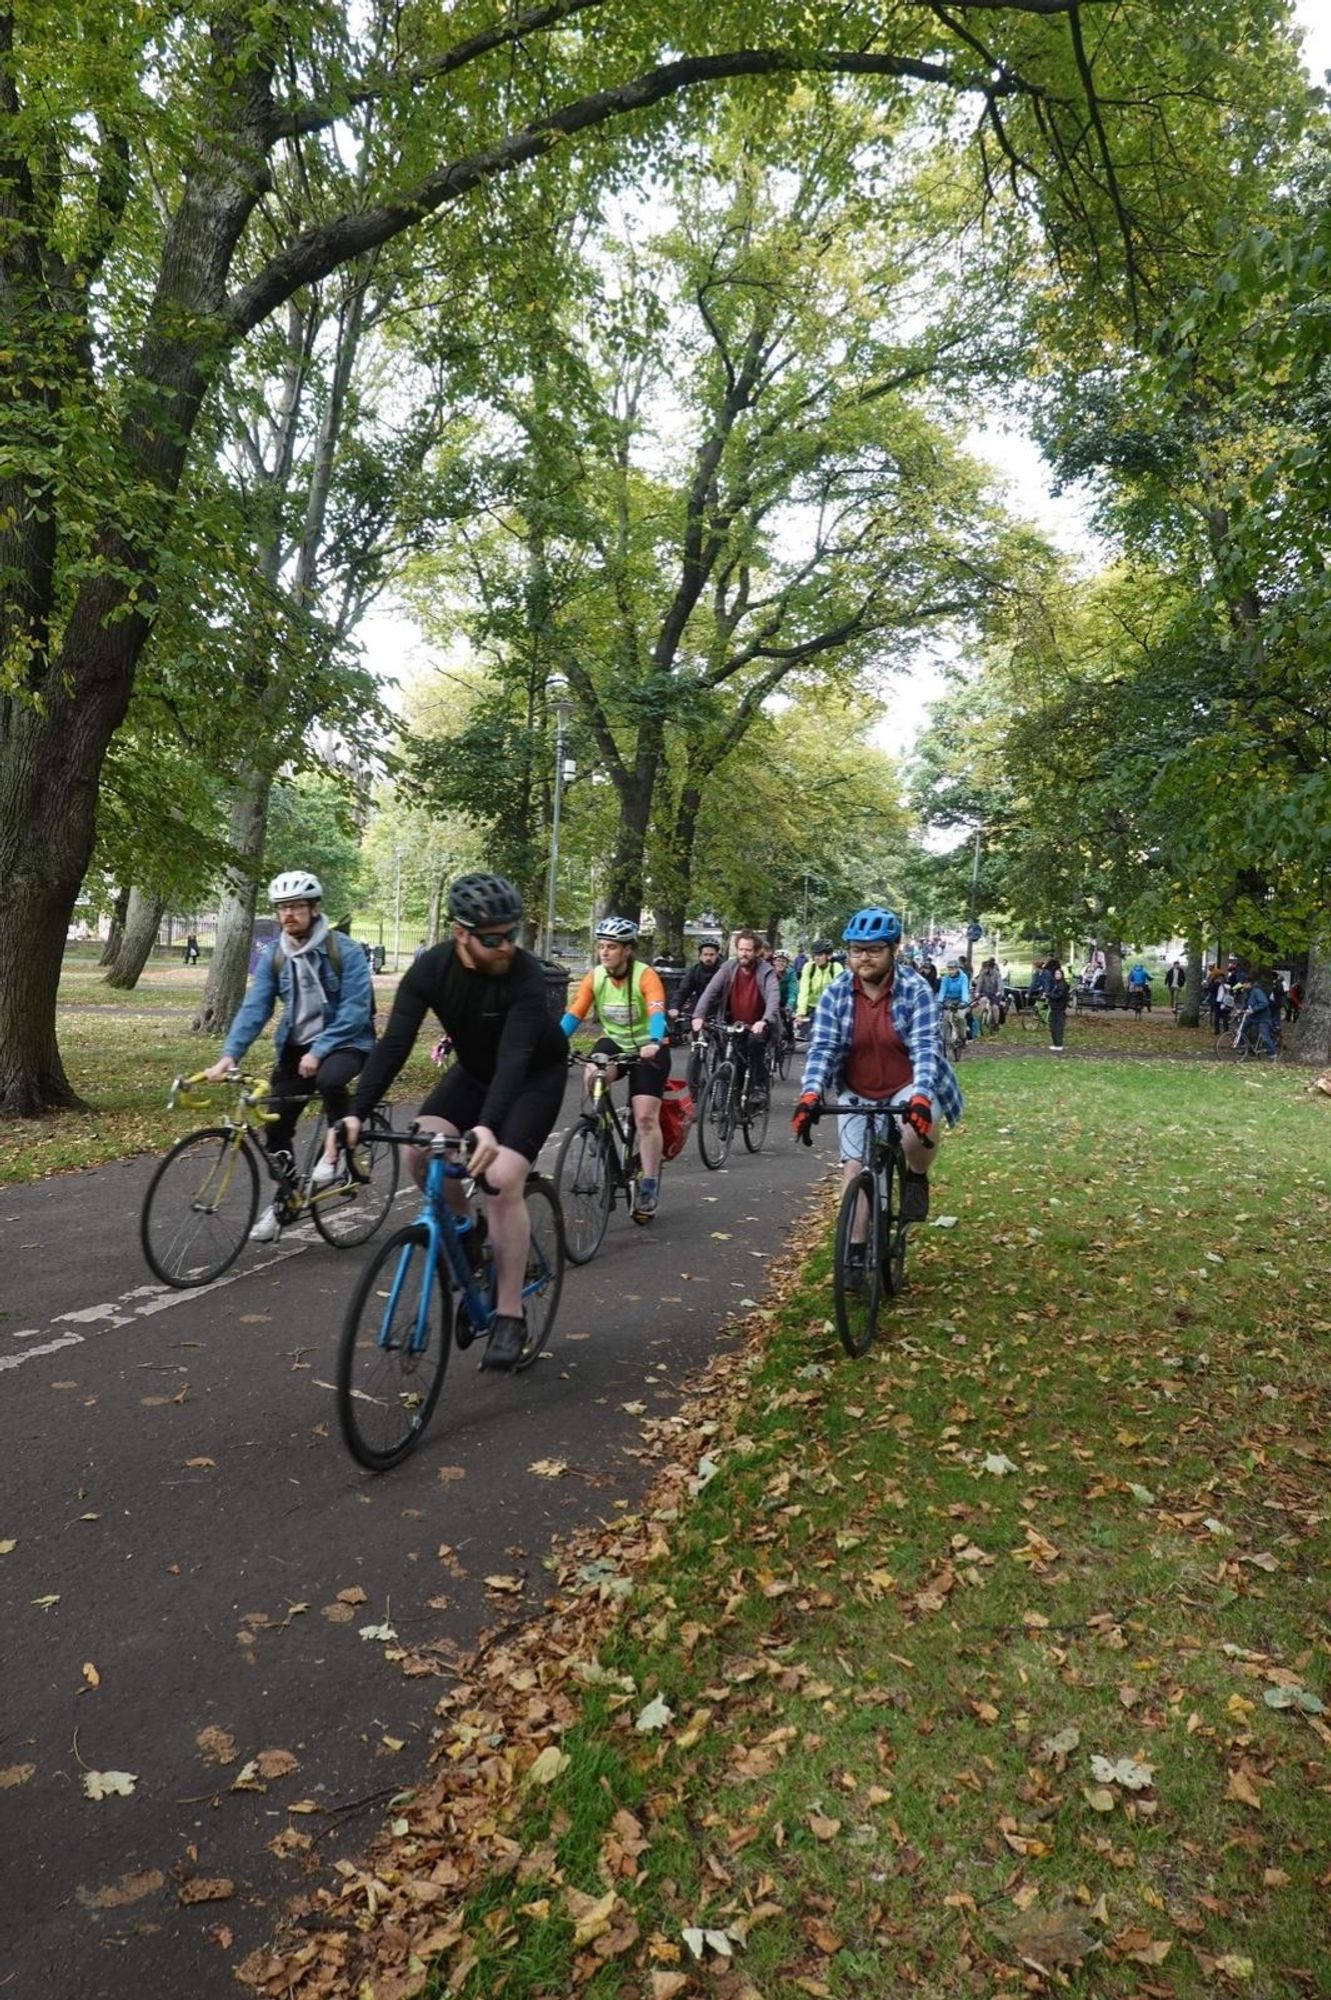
(716,1118)
(544,1279)
(857,1281)
(390,1366)
(584,1188)
(894,1234)
(199,1208)
(351,1215)
(754,1116)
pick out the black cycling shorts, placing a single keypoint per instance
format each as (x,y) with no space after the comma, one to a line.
(527,1123)
(648,1075)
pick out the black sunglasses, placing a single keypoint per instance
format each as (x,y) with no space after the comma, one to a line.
(493,939)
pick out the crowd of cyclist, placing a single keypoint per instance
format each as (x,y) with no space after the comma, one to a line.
(871,1014)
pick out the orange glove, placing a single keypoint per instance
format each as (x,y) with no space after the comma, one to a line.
(806,1114)
(920,1116)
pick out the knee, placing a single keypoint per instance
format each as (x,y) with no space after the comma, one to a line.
(648,1115)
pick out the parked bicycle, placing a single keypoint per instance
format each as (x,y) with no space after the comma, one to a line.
(432,1286)
(202,1201)
(869,1257)
(597,1162)
(1035,1015)
(730,1102)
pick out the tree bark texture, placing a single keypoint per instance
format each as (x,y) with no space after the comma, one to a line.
(143,920)
(1312,1030)
(1190,1006)
(116,930)
(230,965)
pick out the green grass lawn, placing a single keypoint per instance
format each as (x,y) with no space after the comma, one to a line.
(121,1051)
(990,1665)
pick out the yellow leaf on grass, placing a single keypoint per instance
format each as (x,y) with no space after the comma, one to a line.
(1242,1789)
(823,1828)
(1235,1965)
(590,1914)
(551,1763)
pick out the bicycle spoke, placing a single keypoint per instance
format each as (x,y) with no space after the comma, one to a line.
(349,1215)
(199,1208)
(583,1188)
(394,1351)
(544,1278)
(856,1268)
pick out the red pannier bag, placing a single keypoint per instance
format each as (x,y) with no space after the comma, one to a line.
(676,1117)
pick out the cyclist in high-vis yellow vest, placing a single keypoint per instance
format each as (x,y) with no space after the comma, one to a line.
(629,1000)
(817,976)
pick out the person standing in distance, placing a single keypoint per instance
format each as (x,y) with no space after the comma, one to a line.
(326,1030)
(506,1086)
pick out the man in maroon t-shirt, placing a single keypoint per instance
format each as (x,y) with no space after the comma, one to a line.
(747,991)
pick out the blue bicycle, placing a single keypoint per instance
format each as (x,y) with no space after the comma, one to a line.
(433,1284)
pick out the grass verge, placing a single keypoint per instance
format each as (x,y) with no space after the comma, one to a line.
(991,1665)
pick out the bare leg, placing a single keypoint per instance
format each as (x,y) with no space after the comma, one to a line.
(647,1118)
(510,1228)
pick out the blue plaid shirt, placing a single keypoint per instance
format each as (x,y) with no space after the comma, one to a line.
(916,1018)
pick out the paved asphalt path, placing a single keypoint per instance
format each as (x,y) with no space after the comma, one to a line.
(196,1593)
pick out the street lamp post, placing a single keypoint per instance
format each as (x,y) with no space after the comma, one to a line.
(397,910)
(563,715)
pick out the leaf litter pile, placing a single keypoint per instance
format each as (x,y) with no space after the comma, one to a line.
(991,1665)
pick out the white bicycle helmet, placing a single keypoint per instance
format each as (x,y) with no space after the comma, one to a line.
(619,930)
(297,885)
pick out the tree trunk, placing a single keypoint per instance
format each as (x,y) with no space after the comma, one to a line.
(624,887)
(434,914)
(1114,989)
(1190,1006)
(235,915)
(1312,1030)
(143,920)
(117,928)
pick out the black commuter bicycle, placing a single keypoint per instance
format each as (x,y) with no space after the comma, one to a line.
(869,1257)
(731,1101)
(597,1162)
(202,1200)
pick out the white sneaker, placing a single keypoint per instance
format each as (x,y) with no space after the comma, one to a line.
(326,1170)
(267,1229)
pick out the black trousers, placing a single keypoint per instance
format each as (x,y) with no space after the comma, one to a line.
(291,1090)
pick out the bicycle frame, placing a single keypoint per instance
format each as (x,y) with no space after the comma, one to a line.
(622,1140)
(245,1120)
(444,1241)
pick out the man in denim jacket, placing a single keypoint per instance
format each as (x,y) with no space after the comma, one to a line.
(326,1030)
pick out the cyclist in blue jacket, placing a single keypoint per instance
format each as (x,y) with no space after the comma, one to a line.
(326,1031)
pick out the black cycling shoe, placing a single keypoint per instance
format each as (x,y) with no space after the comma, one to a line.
(915,1198)
(508,1337)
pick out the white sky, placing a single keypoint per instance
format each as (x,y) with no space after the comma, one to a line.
(394,649)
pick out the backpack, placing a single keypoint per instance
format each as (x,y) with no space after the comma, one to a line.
(676,1117)
(335,960)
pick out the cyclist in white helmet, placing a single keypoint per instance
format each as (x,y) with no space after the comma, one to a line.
(326,1030)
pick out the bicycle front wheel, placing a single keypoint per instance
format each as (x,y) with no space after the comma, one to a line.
(200,1208)
(755,1112)
(856,1266)
(346,1216)
(390,1367)
(716,1118)
(544,1279)
(1227,1050)
(893,1232)
(583,1189)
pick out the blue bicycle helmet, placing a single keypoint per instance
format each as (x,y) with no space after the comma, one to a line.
(873,926)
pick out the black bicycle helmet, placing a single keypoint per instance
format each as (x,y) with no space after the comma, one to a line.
(481,900)
(821,947)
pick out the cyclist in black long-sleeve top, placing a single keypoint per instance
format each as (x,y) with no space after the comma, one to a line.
(507,1085)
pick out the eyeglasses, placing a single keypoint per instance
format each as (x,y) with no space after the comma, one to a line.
(493,939)
(866,950)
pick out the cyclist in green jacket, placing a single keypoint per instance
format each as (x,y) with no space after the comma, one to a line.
(817,976)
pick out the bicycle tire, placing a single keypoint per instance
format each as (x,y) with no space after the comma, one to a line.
(716,1123)
(403,1386)
(784,1055)
(1225,1048)
(894,1234)
(857,1303)
(753,1123)
(188,1253)
(354,1214)
(695,1073)
(543,1281)
(584,1188)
